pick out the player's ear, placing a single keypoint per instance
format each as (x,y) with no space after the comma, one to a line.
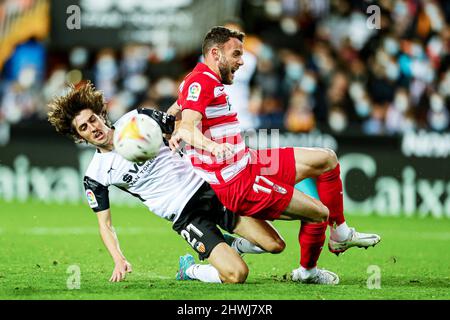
(215,53)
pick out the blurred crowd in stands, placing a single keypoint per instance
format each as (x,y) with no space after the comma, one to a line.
(372,67)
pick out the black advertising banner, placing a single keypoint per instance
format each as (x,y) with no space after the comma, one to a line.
(113,23)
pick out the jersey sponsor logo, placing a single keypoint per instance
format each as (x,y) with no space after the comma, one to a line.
(219,91)
(194,91)
(91,199)
(129,176)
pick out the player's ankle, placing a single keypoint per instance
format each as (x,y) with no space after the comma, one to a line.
(340,232)
(306,273)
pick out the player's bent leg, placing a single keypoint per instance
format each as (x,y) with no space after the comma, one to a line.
(261,233)
(305,208)
(312,162)
(231,267)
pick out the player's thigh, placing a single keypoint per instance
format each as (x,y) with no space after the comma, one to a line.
(312,162)
(305,208)
(231,267)
(261,233)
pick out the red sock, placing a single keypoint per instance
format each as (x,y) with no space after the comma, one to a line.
(311,238)
(329,188)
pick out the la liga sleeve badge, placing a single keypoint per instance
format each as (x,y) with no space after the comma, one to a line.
(194,91)
(91,199)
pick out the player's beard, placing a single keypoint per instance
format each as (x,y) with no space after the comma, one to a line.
(225,72)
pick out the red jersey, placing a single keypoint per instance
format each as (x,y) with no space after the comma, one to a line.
(202,91)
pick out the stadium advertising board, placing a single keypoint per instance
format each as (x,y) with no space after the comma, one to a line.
(381,176)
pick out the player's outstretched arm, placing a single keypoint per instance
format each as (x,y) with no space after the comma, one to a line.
(111,242)
(175,110)
(189,132)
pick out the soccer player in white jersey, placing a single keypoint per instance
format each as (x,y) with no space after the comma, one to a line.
(167,185)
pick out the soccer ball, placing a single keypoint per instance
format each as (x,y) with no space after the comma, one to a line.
(138,138)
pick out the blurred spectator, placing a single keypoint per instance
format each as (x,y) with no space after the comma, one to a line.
(307,65)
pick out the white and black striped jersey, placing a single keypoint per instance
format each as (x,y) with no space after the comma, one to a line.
(164,184)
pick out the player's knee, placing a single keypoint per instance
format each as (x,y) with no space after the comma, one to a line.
(326,160)
(322,213)
(276,246)
(237,275)
(331,159)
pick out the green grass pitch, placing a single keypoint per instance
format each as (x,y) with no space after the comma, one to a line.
(39,242)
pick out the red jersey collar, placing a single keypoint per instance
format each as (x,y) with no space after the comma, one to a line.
(201,67)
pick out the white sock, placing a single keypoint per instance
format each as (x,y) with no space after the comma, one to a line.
(242,245)
(307,273)
(204,273)
(340,233)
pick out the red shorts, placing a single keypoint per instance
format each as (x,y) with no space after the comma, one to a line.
(264,188)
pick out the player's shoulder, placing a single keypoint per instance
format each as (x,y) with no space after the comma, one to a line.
(204,79)
(98,167)
(201,85)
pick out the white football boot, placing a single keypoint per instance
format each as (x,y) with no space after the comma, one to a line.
(322,276)
(355,239)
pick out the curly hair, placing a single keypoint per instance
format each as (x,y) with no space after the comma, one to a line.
(218,36)
(62,110)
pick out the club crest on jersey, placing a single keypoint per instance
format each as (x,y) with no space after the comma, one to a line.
(201,247)
(91,199)
(279,189)
(218,91)
(194,91)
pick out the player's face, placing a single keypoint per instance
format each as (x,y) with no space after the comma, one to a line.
(230,59)
(93,129)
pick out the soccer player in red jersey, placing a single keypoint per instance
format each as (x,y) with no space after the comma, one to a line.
(259,183)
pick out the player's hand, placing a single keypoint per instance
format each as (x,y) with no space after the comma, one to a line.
(120,270)
(174,142)
(222,151)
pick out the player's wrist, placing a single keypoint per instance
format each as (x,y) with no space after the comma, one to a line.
(119,260)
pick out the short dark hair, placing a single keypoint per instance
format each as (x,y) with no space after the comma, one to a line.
(218,36)
(62,110)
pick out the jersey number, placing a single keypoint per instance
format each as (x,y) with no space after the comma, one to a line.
(187,236)
(257,187)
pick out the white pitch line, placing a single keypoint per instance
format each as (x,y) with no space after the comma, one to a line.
(58,231)
(157,276)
